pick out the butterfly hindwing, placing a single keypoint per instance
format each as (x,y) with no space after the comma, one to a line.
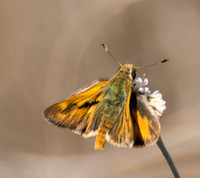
(145,121)
(79,112)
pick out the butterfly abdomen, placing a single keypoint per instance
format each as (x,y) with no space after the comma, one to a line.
(105,126)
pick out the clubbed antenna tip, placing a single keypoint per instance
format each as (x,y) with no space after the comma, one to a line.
(164,60)
(105,47)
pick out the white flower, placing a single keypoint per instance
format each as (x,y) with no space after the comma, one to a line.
(140,86)
(157,103)
(155,99)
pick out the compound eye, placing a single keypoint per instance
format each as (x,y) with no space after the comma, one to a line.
(133,74)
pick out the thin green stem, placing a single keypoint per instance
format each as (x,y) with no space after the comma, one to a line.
(168,157)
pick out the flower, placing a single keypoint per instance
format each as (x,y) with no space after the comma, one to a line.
(157,103)
(154,99)
(140,86)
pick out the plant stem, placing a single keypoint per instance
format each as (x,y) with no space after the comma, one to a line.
(168,157)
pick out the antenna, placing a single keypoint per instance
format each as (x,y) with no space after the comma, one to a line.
(164,60)
(106,49)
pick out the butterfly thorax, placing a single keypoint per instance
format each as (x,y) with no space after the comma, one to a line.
(120,84)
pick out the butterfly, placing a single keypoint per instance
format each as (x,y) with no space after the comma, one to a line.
(120,111)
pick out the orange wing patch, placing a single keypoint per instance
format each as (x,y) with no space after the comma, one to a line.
(78,112)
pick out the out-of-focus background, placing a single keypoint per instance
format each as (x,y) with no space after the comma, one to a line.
(48,49)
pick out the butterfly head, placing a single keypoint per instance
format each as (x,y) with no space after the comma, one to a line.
(129,69)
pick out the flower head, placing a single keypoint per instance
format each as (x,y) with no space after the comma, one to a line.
(154,99)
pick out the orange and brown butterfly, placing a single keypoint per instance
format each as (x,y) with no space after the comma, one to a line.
(120,110)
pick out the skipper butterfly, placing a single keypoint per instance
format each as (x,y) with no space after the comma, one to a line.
(121,110)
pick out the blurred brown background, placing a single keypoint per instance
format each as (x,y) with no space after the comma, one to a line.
(48,49)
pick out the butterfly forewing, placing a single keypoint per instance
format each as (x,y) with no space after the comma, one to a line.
(121,134)
(79,112)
